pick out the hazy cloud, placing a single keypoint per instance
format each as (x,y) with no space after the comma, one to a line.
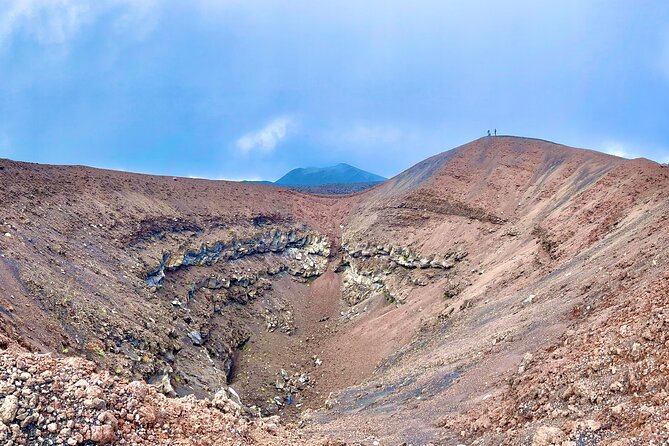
(618,149)
(266,139)
(373,134)
(58,21)
(5,145)
(664,53)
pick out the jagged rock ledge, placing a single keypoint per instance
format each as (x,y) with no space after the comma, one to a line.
(300,246)
(403,256)
(372,268)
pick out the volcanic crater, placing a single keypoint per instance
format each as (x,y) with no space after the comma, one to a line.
(508,291)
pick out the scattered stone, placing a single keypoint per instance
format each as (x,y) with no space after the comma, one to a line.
(529,300)
(102,434)
(289,386)
(196,338)
(8,409)
(548,436)
(165,386)
(527,358)
(330,402)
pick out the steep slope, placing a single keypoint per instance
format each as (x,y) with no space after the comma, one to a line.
(543,243)
(316,176)
(508,291)
(143,274)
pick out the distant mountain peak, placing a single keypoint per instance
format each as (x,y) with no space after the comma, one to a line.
(341,173)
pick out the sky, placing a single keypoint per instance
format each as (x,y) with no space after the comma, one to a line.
(250,89)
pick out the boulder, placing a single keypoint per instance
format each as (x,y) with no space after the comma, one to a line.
(196,338)
(165,386)
(8,409)
(548,436)
(102,434)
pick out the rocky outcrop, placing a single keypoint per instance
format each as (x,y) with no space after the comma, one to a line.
(213,290)
(358,285)
(374,268)
(305,251)
(405,257)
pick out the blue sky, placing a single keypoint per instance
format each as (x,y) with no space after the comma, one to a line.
(251,89)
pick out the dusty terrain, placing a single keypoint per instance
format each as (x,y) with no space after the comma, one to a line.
(509,291)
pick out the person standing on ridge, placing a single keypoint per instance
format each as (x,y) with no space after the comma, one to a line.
(495,132)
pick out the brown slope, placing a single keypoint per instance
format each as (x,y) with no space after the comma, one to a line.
(81,242)
(545,228)
(490,179)
(81,245)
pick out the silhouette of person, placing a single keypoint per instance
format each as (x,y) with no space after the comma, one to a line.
(488,132)
(495,132)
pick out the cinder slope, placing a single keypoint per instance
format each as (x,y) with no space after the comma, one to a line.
(556,240)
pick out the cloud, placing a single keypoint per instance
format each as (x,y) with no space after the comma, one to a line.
(373,134)
(139,17)
(266,139)
(56,22)
(364,137)
(5,145)
(240,178)
(663,58)
(617,149)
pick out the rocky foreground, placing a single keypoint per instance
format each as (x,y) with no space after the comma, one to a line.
(49,401)
(604,384)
